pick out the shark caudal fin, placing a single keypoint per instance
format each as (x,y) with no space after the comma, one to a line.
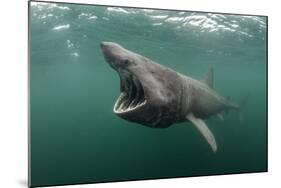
(204,130)
(240,106)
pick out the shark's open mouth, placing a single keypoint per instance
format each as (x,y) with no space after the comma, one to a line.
(132,94)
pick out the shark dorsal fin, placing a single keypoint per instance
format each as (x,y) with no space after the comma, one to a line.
(209,78)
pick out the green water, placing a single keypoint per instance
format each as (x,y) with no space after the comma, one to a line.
(75,136)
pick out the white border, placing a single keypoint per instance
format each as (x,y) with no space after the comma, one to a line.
(13,93)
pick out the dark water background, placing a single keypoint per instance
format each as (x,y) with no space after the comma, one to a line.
(76,138)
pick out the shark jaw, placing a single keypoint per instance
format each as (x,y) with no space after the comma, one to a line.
(132,96)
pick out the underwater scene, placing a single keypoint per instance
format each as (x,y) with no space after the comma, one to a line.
(94,120)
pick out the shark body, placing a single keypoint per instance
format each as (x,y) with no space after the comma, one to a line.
(157,96)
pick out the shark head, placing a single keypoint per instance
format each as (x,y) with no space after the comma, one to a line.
(148,93)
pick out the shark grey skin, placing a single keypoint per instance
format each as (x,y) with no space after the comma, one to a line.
(157,96)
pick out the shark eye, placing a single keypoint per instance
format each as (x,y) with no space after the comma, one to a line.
(126,62)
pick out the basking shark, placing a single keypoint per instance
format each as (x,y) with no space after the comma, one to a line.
(157,96)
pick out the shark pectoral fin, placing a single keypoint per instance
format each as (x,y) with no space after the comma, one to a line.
(209,78)
(220,116)
(204,130)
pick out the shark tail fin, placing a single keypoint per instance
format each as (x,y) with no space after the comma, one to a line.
(227,109)
(241,104)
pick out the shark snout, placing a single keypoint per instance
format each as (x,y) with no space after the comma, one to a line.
(109,46)
(108,51)
(104,44)
(115,55)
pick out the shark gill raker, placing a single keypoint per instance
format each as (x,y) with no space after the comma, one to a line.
(157,96)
